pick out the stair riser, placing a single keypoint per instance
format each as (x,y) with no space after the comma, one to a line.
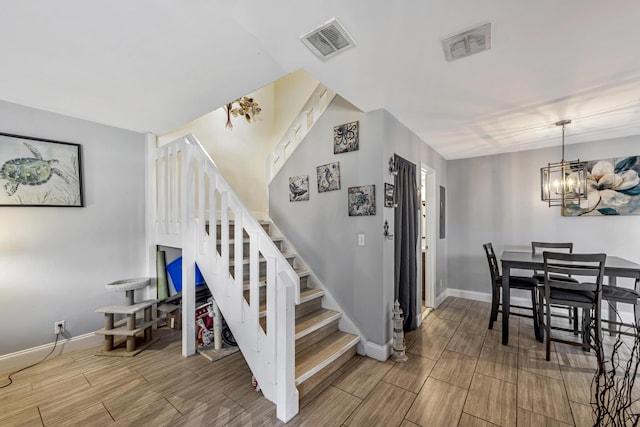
(263,294)
(263,266)
(301,310)
(307,387)
(232,230)
(304,282)
(262,269)
(307,307)
(315,336)
(262,289)
(245,247)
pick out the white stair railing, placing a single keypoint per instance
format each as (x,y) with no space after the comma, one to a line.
(195,208)
(304,121)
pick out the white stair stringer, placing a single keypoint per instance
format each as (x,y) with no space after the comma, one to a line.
(328,301)
(317,103)
(192,198)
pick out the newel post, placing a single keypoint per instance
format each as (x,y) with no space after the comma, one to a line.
(287,403)
(189,245)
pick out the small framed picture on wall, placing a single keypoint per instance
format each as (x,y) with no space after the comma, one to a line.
(299,188)
(389,195)
(362,200)
(346,138)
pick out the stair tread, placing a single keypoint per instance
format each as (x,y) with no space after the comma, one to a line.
(262,281)
(314,358)
(314,321)
(260,221)
(306,294)
(245,260)
(247,240)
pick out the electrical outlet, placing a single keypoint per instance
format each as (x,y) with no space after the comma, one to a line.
(58,327)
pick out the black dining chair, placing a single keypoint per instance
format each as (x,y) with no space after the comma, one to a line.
(586,295)
(517,282)
(538,247)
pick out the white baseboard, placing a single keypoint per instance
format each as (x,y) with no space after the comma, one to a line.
(440,298)
(486,296)
(375,351)
(32,355)
(419,319)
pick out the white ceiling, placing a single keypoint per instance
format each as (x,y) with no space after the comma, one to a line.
(153,65)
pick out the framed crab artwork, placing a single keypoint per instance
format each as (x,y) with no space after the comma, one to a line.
(39,172)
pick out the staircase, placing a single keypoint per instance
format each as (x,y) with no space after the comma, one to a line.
(268,298)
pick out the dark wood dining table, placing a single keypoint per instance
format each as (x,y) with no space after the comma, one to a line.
(614,267)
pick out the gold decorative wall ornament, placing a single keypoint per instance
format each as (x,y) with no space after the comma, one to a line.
(244,107)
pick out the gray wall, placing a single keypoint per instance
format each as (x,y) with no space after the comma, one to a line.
(54,262)
(497,199)
(406,144)
(359,278)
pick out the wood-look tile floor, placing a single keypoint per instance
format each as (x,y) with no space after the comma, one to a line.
(458,373)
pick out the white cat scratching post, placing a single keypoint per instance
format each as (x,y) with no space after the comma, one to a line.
(134,330)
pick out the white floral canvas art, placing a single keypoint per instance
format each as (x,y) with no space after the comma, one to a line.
(613,188)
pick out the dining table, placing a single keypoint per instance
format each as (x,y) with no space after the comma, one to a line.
(525,260)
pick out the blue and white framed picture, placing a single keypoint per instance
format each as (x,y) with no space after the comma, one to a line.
(613,188)
(39,172)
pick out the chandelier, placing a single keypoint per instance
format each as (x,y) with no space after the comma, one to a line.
(564,181)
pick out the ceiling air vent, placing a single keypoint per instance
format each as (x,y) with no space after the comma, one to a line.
(467,43)
(328,39)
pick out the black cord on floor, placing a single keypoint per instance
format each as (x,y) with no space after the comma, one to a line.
(30,366)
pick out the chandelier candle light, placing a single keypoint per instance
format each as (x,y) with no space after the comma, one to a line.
(563,181)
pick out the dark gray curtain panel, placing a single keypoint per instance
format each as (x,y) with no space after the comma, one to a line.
(406,240)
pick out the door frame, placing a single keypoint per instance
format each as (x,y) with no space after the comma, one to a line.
(428,193)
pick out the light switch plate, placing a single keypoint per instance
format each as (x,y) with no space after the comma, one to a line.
(360,239)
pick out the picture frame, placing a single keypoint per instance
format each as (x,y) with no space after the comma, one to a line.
(613,189)
(40,172)
(299,188)
(389,195)
(442,214)
(346,137)
(328,177)
(362,200)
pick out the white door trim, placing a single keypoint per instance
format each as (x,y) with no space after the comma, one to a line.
(430,193)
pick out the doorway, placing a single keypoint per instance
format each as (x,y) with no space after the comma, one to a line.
(427,238)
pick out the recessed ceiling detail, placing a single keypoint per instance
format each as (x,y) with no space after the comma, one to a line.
(328,39)
(467,43)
